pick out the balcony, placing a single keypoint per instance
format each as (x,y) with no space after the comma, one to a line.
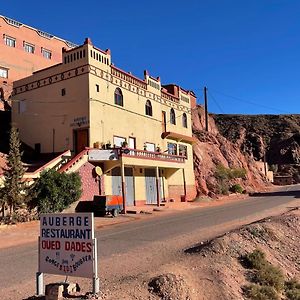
(143,154)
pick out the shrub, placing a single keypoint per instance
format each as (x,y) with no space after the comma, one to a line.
(260,292)
(55,191)
(271,276)
(238,173)
(236,188)
(292,289)
(255,260)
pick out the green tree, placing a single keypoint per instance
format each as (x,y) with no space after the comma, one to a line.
(55,191)
(13,192)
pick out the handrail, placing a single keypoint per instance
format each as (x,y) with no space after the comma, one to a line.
(43,167)
(144,154)
(73,161)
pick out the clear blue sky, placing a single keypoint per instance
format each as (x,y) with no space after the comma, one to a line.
(248,50)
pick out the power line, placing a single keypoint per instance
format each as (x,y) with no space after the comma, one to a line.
(215,101)
(250,102)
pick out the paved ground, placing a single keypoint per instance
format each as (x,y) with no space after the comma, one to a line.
(129,248)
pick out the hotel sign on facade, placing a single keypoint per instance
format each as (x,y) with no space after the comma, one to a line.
(67,245)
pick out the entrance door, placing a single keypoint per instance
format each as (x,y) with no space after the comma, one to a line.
(129,186)
(116,181)
(150,178)
(81,139)
(131,143)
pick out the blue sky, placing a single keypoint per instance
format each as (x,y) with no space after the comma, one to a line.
(246,52)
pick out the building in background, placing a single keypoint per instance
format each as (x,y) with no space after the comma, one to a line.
(24,50)
(137,131)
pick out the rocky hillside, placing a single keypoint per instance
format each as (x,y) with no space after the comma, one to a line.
(276,135)
(213,149)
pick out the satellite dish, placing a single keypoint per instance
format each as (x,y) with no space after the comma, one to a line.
(98,171)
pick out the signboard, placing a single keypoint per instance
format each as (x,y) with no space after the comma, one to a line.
(67,245)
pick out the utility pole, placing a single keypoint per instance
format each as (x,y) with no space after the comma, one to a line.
(205,108)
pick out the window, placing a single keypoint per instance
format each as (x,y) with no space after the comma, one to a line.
(28,47)
(182,149)
(149,147)
(63,92)
(118,97)
(148,108)
(184,120)
(97,88)
(3,73)
(9,41)
(172,117)
(172,148)
(118,141)
(46,53)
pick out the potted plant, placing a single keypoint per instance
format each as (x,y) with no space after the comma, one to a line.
(124,144)
(97,145)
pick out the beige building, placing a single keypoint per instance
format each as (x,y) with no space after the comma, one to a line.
(137,131)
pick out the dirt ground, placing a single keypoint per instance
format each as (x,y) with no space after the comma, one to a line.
(212,270)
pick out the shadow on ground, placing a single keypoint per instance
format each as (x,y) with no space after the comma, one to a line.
(295,194)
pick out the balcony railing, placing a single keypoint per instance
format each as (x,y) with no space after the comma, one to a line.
(143,154)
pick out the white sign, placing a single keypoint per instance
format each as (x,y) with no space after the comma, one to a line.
(99,155)
(67,245)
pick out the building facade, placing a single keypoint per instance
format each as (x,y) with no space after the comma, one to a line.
(137,131)
(23,50)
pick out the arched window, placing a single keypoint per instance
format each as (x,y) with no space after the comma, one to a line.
(118,97)
(148,108)
(172,117)
(184,120)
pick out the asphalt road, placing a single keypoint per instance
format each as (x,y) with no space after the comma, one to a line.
(19,264)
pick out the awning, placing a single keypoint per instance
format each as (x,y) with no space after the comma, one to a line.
(178,137)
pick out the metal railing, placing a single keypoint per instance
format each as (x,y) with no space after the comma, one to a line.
(152,155)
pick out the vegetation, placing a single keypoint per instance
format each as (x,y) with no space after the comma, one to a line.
(292,289)
(225,175)
(55,191)
(13,193)
(258,292)
(269,280)
(236,188)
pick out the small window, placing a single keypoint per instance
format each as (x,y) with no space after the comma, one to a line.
(28,47)
(149,147)
(182,149)
(3,72)
(97,88)
(63,92)
(184,120)
(119,141)
(9,41)
(47,53)
(172,117)
(172,148)
(148,108)
(118,97)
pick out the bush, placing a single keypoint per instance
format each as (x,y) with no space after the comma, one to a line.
(255,260)
(56,191)
(260,292)
(238,173)
(236,188)
(271,276)
(292,289)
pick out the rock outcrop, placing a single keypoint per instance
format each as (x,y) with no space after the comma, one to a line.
(213,149)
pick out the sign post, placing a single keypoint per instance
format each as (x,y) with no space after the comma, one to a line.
(67,246)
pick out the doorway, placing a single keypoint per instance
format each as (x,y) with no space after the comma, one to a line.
(81,139)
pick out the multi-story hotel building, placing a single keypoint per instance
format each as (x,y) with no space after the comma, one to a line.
(23,50)
(86,104)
